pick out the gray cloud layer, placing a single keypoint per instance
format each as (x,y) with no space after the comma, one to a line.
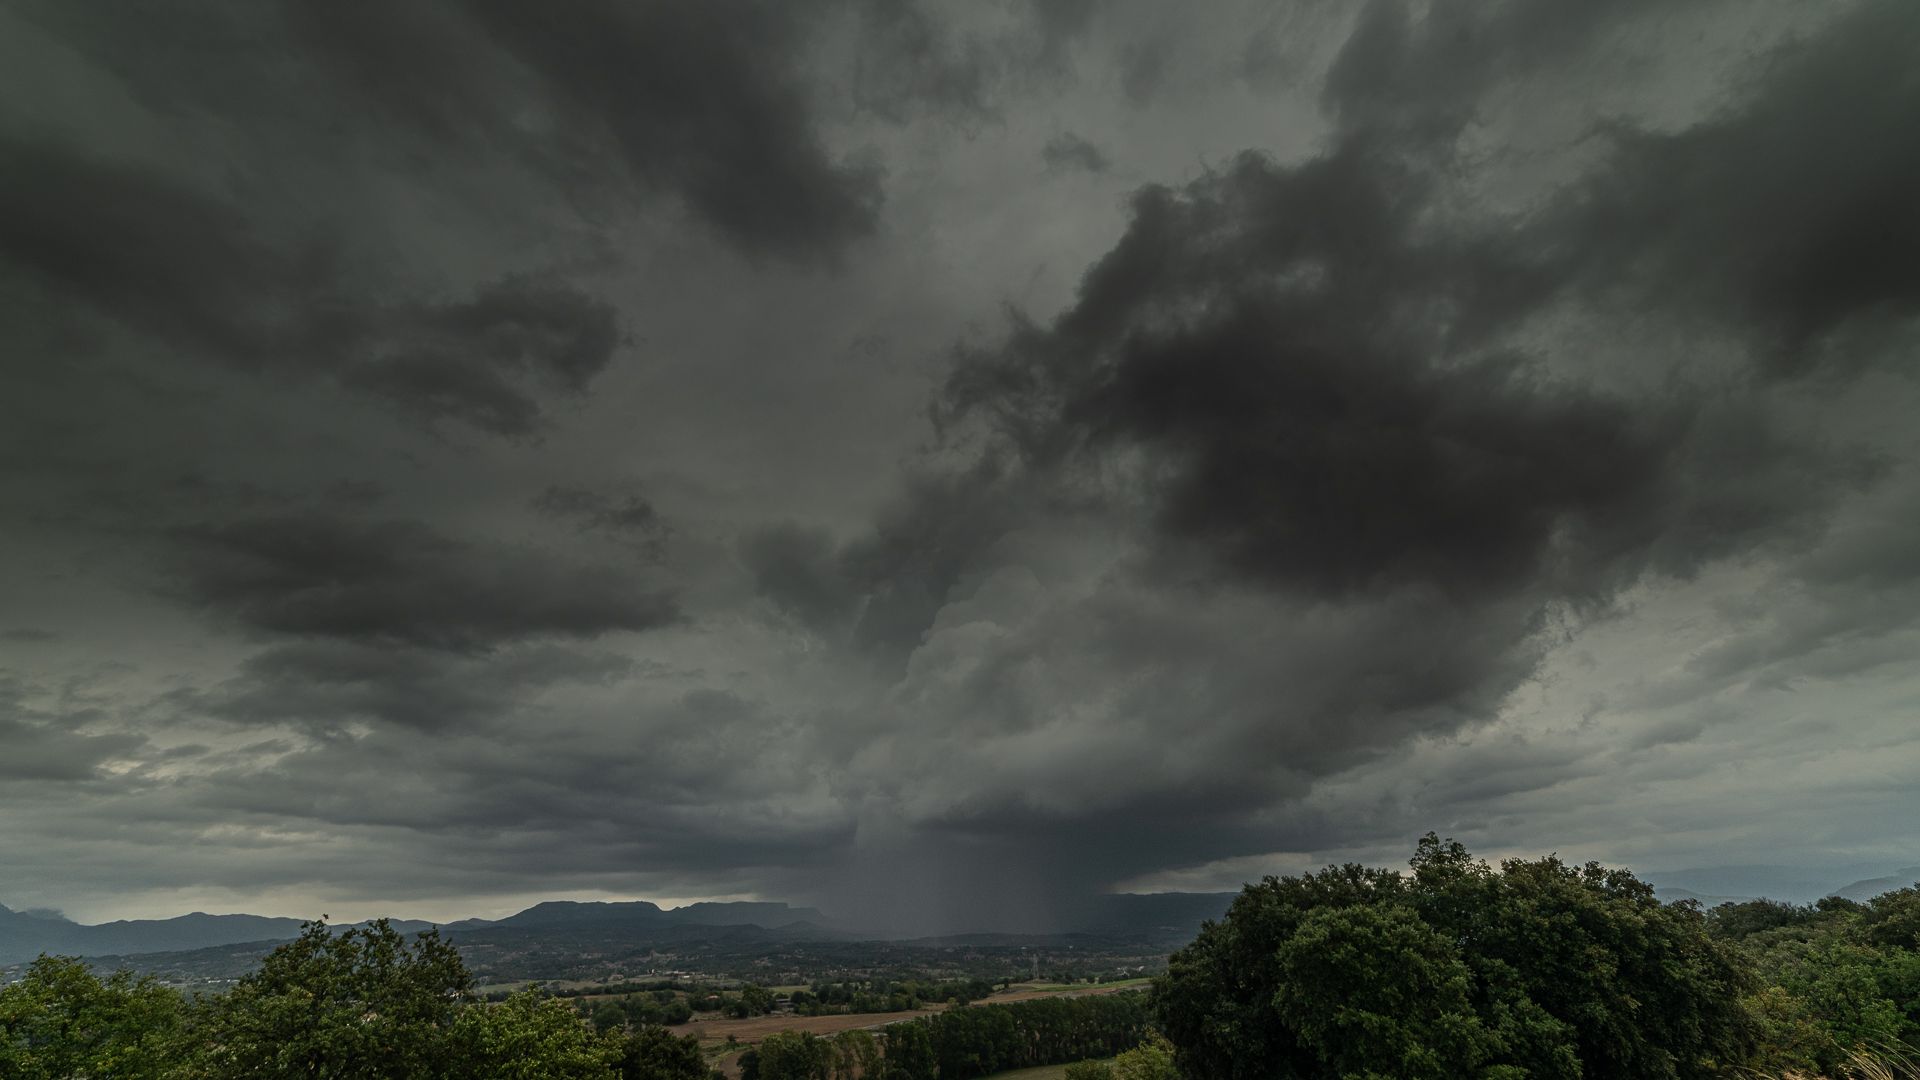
(854,453)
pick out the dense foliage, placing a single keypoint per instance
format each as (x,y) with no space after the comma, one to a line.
(1539,969)
(363,1004)
(985,1039)
(799,1055)
(1836,977)
(61,1021)
(887,995)
(1151,1060)
(635,1010)
(962,1043)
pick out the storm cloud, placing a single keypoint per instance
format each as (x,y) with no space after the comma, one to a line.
(400,581)
(940,462)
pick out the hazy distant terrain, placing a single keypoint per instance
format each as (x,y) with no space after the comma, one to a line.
(573,941)
(568,940)
(24,935)
(1732,884)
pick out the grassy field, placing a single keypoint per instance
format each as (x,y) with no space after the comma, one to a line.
(1038,1072)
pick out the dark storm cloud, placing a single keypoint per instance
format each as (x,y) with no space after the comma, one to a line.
(881,590)
(702,100)
(1849,605)
(325,685)
(1309,383)
(1311,370)
(705,103)
(1143,68)
(800,571)
(1061,23)
(174,263)
(392,621)
(518,806)
(402,581)
(909,58)
(1069,151)
(37,752)
(1303,327)
(1418,78)
(471,360)
(1785,215)
(1788,217)
(1280,534)
(701,783)
(45,743)
(148,250)
(627,516)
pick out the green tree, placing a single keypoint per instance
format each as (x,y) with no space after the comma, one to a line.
(1534,969)
(1374,991)
(795,1055)
(363,1003)
(909,1052)
(652,1052)
(1837,986)
(526,1037)
(856,1054)
(1744,919)
(60,1021)
(1892,919)
(1151,1060)
(608,1015)
(755,1000)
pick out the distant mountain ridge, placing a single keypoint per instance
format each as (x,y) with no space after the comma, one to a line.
(24,936)
(1165,919)
(638,913)
(1733,884)
(1869,888)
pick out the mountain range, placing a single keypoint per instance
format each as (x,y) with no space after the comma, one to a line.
(1159,917)
(26,934)
(1732,884)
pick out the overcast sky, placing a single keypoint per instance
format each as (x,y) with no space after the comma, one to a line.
(934,461)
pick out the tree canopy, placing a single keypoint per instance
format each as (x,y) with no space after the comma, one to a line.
(358,1004)
(60,1021)
(1457,969)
